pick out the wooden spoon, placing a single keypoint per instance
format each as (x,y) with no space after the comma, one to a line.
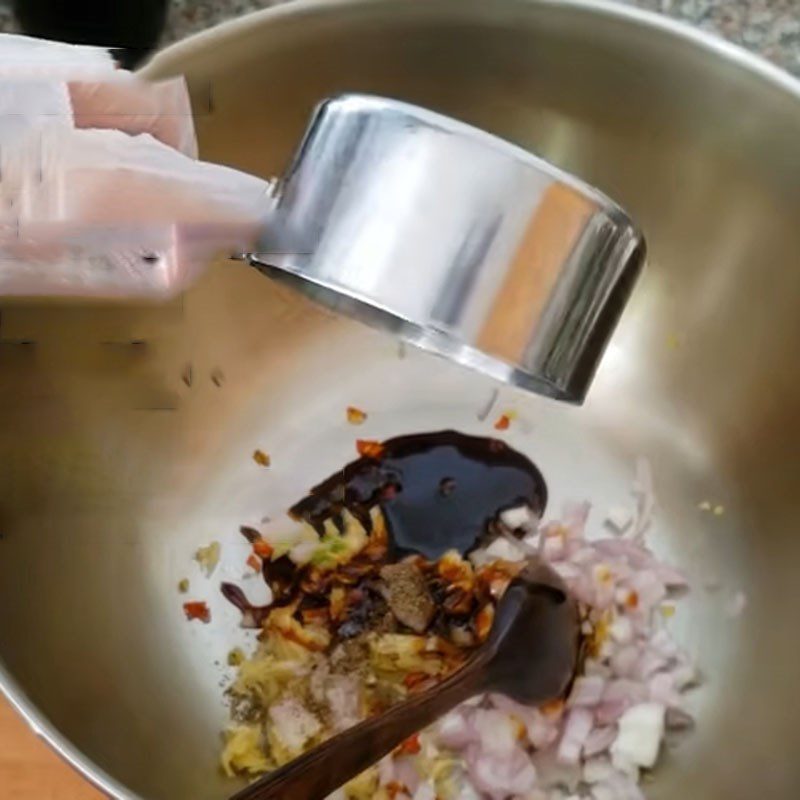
(530,656)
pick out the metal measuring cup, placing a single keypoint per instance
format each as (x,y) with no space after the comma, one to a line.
(453,240)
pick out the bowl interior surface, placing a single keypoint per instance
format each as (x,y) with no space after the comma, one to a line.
(113,470)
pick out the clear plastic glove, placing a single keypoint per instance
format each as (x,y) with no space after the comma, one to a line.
(101,194)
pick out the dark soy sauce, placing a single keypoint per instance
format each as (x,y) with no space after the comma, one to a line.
(438,491)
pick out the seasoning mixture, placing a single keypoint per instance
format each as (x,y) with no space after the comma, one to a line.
(359,619)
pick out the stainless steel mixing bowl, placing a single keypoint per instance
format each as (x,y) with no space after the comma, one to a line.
(113,470)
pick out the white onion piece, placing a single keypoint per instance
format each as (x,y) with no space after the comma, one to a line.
(454,731)
(425,791)
(498,777)
(599,741)
(661,690)
(630,691)
(505,549)
(621,630)
(519,517)
(386,770)
(552,547)
(497,732)
(577,729)
(641,730)
(587,691)
(406,773)
(596,770)
(625,660)
(553,773)
(303,552)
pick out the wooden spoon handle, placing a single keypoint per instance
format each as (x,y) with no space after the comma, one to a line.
(324,769)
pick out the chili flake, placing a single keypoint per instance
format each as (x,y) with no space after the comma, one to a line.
(414,679)
(632,600)
(369,448)
(262,548)
(394,788)
(504,421)
(410,746)
(197,610)
(484,621)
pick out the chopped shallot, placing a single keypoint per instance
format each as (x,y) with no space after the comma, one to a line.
(587,691)
(518,517)
(590,745)
(576,731)
(629,693)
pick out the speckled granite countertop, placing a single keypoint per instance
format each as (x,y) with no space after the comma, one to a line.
(768,27)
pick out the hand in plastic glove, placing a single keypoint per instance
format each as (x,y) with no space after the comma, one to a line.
(101,193)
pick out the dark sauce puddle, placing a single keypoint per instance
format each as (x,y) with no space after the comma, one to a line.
(438,491)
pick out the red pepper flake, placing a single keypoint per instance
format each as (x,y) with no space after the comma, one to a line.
(369,448)
(261,458)
(484,621)
(262,548)
(503,422)
(254,563)
(410,746)
(414,679)
(355,416)
(394,788)
(315,616)
(197,610)
(632,600)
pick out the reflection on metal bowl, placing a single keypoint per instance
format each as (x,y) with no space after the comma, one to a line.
(113,470)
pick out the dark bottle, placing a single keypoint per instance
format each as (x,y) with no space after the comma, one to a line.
(130,28)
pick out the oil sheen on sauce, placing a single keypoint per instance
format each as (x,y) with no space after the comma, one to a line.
(438,491)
